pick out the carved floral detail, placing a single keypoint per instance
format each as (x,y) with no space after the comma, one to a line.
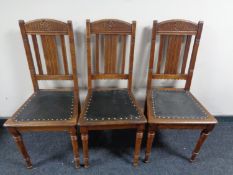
(110,25)
(44,25)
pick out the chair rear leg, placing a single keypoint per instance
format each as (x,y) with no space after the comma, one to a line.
(19,142)
(84,136)
(149,142)
(203,136)
(139,136)
(74,141)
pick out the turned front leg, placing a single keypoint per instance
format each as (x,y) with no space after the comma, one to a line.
(19,142)
(84,136)
(74,141)
(149,142)
(203,136)
(139,136)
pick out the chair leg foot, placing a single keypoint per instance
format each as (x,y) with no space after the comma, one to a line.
(19,142)
(138,143)
(28,164)
(135,164)
(86,164)
(150,138)
(203,136)
(74,141)
(84,137)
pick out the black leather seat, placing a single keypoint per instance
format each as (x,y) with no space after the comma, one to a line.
(108,105)
(176,104)
(47,106)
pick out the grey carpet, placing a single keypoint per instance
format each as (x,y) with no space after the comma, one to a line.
(112,152)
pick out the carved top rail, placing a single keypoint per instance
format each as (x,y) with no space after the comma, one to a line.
(177,27)
(46,26)
(110,26)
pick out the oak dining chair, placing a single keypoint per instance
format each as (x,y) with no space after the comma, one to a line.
(54,109)
(174,46)
(110,108)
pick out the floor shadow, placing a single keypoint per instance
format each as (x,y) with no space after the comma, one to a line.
(160,143)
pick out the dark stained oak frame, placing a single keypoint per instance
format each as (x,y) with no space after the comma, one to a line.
(48,29)
(110,28)
(175,29)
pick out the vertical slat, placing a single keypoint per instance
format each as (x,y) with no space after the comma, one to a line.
(114,53)
(50,54)
(64,55)
(123,54)
(173,54)
(169,53)
(194,56)
(29,55)
(110,53)
(107,53)
(177,48)
(88,47)
(160,57)
(131,55)
(97,53)
(186,52)
(37,54)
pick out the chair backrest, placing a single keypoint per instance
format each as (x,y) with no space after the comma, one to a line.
(41,40)
(175,38)
(110,38)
